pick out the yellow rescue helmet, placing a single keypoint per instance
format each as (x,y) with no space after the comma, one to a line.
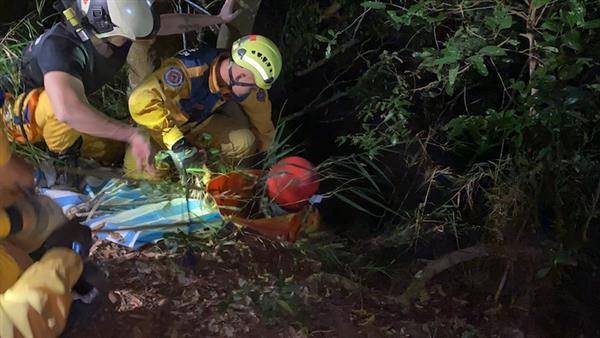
(260,56)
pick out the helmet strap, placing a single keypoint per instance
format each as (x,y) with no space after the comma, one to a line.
(73,18)
(233,81)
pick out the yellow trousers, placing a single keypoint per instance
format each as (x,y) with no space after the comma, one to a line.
(230,133)
(41,125)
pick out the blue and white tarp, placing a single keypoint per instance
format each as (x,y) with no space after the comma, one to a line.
(67,200)
(136,215)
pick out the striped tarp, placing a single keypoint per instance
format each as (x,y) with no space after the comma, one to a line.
(136,215)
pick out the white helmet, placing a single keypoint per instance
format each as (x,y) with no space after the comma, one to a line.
(133,19)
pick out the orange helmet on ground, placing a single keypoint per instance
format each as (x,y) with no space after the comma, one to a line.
(292,182)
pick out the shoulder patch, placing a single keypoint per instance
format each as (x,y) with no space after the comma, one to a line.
(173,77)
(261,95)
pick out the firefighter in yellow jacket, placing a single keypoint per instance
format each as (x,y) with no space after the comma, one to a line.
(76,58)
(34,297)
(180,102)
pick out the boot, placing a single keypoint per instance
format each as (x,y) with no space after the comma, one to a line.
(91,294)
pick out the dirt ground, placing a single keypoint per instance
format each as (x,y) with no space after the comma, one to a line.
(247,286)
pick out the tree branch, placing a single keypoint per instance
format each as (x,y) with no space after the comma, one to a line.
(321,62)
(439,265)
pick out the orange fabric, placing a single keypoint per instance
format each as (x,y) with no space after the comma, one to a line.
(233,191)
(281,228)
(286,228)
(17,107)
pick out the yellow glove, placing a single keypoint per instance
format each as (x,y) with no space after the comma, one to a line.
(38,304)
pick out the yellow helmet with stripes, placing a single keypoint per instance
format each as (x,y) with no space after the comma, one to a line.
(260,56)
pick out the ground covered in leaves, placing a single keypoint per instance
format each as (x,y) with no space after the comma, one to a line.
(247,286)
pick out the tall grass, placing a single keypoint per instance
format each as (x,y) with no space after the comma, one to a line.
(17,37)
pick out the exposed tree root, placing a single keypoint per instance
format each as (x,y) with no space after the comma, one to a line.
(510,252)
(439,265)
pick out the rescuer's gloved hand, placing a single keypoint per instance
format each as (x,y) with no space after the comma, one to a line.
(186,156)
(36,305)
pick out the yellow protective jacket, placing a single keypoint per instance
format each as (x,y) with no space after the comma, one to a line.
(34,303)
(186,89)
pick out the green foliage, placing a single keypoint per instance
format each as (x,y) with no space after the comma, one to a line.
(312,33)
(477,135)
(508,90)
(383,117)
(111,99)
